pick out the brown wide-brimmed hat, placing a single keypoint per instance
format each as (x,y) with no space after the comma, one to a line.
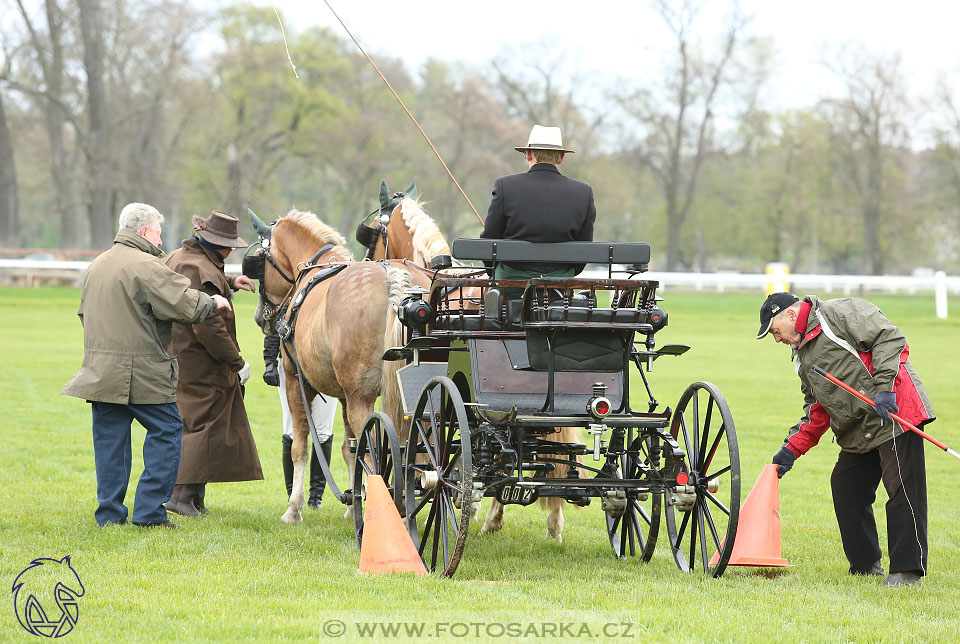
(220,229)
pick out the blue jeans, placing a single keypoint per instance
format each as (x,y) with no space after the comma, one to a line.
(161,459)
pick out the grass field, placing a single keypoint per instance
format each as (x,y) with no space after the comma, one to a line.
(242,575)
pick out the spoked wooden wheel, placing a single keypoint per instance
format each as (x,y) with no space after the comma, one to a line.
(702,516)
(378,453)
(438,472)
(634,533)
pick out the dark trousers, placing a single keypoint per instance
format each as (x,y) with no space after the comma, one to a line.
(318,482)
(854,482)
(111,453)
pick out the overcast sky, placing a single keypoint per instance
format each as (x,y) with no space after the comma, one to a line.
(611,40)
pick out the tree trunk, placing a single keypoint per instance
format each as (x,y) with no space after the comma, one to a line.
(98,143)
(9,216)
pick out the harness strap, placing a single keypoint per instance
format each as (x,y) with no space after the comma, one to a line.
(285,328)
(318,451)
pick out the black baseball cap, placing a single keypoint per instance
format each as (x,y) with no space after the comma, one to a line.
(774,303)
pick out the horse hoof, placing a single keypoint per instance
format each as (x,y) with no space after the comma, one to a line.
(557,536)
(291,518)
(490,529)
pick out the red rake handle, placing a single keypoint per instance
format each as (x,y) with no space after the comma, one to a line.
(902,422)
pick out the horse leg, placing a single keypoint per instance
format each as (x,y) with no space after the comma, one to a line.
(554,504)
(299,451)
(355,414)
(494,520)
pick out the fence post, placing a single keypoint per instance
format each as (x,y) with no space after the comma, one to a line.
(940,290)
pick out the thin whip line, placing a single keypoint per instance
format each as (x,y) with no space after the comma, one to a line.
(396,96)
(284,35)
(903,486)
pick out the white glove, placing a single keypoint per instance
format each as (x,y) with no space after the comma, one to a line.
(244,373)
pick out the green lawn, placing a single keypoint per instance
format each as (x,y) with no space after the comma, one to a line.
(242,575)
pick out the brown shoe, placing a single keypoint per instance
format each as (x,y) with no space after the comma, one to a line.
(181,501)
(908,578)
(161,524)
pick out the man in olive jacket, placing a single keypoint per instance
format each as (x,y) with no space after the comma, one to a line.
(852,340)
(128,303)
(217,442)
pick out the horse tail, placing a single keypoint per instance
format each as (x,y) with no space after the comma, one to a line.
(398,281)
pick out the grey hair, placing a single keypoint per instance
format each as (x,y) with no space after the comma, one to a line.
(136,215)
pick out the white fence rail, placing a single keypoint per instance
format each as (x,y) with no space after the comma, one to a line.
(32,272)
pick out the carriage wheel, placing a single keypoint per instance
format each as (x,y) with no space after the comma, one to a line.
(378,453)
(635,532)
(702,526)
(439,476)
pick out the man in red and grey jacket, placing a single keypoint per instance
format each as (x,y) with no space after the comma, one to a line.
(852,339)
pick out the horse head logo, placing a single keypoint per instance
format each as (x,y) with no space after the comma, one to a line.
(45,597)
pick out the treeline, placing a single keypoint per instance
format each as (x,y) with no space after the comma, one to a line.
(103,102)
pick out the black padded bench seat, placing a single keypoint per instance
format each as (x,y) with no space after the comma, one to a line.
(576,253)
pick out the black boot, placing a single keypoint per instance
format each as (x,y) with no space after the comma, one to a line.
(200,492)
(181,502)
(317,480)
(287,463)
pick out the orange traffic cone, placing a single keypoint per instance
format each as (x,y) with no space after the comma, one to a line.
(758,532)
(386,544)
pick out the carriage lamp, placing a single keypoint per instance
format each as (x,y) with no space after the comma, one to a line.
(413,311)
(657,318)
(599,405)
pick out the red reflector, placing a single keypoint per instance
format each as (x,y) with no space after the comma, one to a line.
(421,313)
(603,408)
(682,478)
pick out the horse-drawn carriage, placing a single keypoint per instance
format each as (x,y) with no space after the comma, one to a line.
(496,366)
(488,387)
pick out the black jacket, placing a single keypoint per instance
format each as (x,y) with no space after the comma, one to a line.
(540,205)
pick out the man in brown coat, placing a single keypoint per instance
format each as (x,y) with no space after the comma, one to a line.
(127,305)
(217,442)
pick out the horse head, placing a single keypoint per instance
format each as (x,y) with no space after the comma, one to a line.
(403,229)
(46,583)
(294,241)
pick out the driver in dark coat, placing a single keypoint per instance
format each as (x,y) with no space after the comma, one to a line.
(217,442)
(540,205)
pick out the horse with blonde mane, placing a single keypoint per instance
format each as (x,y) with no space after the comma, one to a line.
(341,328)
(413,235)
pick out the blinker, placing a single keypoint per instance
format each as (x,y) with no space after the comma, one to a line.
(253,266)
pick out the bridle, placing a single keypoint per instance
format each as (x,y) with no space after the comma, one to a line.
(369,235)
(254,267)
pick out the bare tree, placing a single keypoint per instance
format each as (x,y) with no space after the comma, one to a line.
(677,122)
(51,92)
(868,131)
(97,149)
(9,216)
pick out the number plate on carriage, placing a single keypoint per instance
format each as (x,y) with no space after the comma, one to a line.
(513,493)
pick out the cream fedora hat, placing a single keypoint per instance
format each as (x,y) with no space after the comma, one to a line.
(544,138)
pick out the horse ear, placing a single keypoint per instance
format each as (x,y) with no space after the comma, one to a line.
(262,229)
(411,190)
(384,196)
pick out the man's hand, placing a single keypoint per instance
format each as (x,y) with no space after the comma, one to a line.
(221,302)
(886,404)
(271,375)
(784,460)
(244,373)
(245,283)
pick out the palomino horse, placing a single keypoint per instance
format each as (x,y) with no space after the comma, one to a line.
(343,326)
(412,234)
